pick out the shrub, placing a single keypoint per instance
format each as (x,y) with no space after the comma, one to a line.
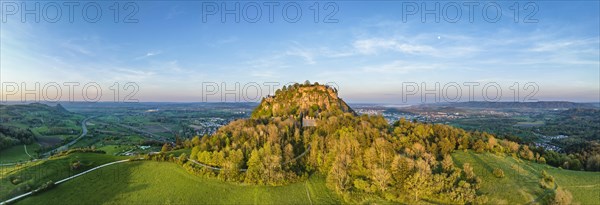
(75,165)
(498,173)
(547,181)
(15,180)
(562,196)
(44,187)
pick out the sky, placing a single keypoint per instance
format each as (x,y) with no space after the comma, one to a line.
(372,51)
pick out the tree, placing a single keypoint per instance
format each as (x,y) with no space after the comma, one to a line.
(384,151)
(288,153)
(381,178)
(447,164)
(464,142)
(182,159)
(547,181)
(468,170)
(401,168)
(561,197)
(512,146)
(492,142)
(446,146)
(338,174)
(525,153)
(165,148)
(194,152)
(230,168)
(593,163)
(418,185)
(479,146)
(542,160)
(498,173)
(196,141)
(255,168)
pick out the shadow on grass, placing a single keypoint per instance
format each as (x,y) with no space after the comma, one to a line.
(96,187)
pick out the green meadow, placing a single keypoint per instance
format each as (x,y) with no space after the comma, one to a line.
(149,182)
(521,182)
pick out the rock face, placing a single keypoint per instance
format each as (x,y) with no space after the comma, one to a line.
(306,100)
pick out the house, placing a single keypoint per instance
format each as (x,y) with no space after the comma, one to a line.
(309,122)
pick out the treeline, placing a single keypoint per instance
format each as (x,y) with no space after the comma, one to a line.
(77,150)
(10,136)
(582,147)
(360,156)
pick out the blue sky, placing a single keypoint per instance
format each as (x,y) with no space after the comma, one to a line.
(369,53)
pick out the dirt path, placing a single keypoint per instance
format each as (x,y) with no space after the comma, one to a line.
(307,193)
(25,147)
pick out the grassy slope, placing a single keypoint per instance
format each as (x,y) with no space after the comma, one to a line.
(17,153)
(36,173)
(521,182)
(167,183)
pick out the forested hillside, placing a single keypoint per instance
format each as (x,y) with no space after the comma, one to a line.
(361,156)
(17,122)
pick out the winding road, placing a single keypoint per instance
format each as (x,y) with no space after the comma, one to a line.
(84,132)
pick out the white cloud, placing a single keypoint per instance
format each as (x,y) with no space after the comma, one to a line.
(558,45)
(308,56)
(148,54)
(376,45)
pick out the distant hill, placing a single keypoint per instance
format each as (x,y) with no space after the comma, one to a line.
(22,123)
(516,105)
(302,99)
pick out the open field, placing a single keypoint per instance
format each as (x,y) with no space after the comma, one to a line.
(521,182)
(20,179)
(115,149)
(151,182)
(17,153)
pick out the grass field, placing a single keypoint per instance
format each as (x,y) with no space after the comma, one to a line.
(17,153)
(148,182)
(115,149)
(521,182)
(530,124)
(18,179)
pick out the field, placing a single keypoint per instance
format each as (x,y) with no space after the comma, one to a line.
(15,180)
(148,182)
(17,153)
(116,149)
(521,182)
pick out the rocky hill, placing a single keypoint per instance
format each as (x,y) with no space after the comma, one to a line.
(305,100)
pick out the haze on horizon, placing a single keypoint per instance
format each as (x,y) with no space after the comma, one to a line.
(369,51)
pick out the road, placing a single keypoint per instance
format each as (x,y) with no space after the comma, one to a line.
(127,160)
(84,132)
(64,180)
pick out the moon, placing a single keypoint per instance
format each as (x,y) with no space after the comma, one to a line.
(439,37)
